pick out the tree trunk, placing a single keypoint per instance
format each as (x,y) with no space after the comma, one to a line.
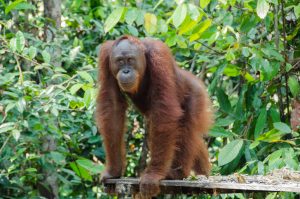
(48,187)
(52,13)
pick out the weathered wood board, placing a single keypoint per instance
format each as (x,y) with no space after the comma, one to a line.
(211,185)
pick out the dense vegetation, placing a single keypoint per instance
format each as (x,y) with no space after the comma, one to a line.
(247,52)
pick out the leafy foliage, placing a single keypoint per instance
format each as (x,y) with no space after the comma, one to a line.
(246,51)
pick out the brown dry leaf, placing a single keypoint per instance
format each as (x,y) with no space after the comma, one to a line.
(240,178)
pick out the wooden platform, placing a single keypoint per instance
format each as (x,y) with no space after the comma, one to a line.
(211,185)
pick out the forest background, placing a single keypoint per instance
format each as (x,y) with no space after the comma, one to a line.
(246,51)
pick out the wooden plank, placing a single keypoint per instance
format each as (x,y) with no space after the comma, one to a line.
(213,185)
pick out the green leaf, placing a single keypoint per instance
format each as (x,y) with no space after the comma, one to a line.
(75,88)
(248,23)
(46,56)
(73,53)
(87,97)
(113,19)
(262,8)
(187,26)
(140,18)
(282,127)
(21,104)
(31,170)
(260,123)
(150,23)
(16,134)
(25,6)
(6,127)
(249,77)
(9,107)
(271,136)
(161,26)
(86,76)
(20,41)
(223,100)
(230,55)
(274,115)
(254,144)
(294,86)
(229,152)
(204,3)
(224,121)
(76,4)
(297,11)
(272,53)
(90,166)
(32,52)
(273,157)
(13,44)
(12,6)
(179,15)
(58,158)
(260,168)
(157,4)
(232,70)
(197,32)
(219,132)
(131,16)
(193,11)
(245,52)
(81,171)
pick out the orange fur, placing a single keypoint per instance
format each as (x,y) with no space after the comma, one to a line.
(176,106)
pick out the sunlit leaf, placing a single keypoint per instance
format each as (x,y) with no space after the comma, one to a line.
(150,23)
(232,70)
(113,18)
(16,134)
(75,88)
(74,52)
(271,136)
(204,3)
(12,5)
(262,8)
(187,26)
(193,11)
(6,127)
(179,15)
(197,32)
